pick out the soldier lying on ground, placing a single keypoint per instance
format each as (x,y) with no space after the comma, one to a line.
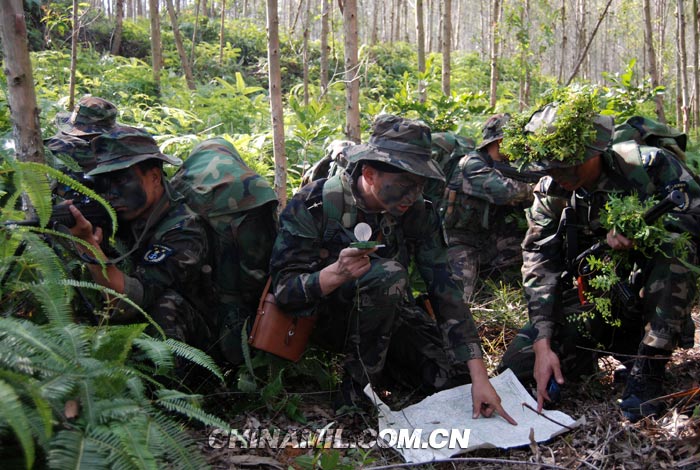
(363,297)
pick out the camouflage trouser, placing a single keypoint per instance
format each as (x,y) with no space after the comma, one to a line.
(381,331)
(661,319)
(468,262)
(180,320)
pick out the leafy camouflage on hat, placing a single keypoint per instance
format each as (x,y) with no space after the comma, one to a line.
(493,129)
(402,143)
(91,116)
(561,139)
(124,147)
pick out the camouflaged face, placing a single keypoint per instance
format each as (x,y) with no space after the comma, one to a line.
(399,142)
(91,116)
(493,129)
(124,147)
(544,121)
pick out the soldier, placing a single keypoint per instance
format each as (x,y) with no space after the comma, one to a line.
(91,117)
(168,248)
(362,296)
(478,210)
(583,181)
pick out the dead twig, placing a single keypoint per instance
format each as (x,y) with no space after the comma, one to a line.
(547,417)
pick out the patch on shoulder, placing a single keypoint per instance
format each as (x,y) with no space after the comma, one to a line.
(157,254)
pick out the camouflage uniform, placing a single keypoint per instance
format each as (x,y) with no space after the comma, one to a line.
(478,213)
(165,269)
(669,287)
(375,320)
(241,208)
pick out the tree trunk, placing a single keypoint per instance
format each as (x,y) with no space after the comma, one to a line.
(221,33)
(73,56)
(21,97)
(420,40)
(696,63)
(189,78)
(352,83)
(118,27)
(374,37)
(584,53)
(495,42)
(564,40)
(446,46)
(276,110)
(194,32)
(305,52)
(156,51)
(325,7)
(651,58)
(683,65)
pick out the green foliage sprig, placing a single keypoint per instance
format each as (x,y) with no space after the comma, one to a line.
(565,139)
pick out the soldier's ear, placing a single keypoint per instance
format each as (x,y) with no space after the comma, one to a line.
(369,173)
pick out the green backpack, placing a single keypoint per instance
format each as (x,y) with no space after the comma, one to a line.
(240,208)
(652,133)
(447,149)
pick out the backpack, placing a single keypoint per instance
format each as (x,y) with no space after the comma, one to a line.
(646,131)
(331,163)
(240,209)
(447,149)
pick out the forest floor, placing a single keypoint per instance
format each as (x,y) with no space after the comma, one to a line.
(605,441)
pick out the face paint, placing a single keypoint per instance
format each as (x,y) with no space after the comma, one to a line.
(125,192)
(397,192)
(581,175)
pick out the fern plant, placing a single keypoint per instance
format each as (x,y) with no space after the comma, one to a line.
(80,395)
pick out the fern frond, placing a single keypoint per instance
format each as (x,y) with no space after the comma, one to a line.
(175,442)
(194,355)
(116,409)
(186,405)
(27,334)
(40,417)
(13,413)
(158,352)
(72,449)
(31,178)
(114,343)
(134,439)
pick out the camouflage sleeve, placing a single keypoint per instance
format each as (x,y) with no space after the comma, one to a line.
(482,181)
(542,261)
(296,260)
(255,235)
(446,293)
(179,255)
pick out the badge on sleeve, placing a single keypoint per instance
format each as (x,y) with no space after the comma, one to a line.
(157,254)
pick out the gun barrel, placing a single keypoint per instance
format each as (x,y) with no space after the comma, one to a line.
(671,201)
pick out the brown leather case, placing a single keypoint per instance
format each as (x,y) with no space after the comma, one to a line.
(278,332)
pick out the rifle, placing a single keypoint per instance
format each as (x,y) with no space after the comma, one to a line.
(61,216)
(622,289)
(513,173)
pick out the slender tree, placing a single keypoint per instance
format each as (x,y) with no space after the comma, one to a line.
(420,39)
(156,51)
(189,78)
(194,30)
(21,97)
(352,83)
(305,51)
(221,33)
(682,65)
(651,59)
(73,55)
(584,52)
(276,110)
(446,46)
(494,46)
(696,63)
(325,11)
(118,27)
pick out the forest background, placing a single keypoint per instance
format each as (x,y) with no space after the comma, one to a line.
(187,70)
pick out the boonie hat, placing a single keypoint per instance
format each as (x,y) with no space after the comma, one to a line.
(401,143)
(91,116)
(124,147)
(493,129)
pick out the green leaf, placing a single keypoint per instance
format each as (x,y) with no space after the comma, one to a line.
(13,413)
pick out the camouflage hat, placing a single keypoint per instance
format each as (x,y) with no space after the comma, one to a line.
(493,129)
(402,143)
(544,121)
(124,147)
(91,116)
(75,147)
